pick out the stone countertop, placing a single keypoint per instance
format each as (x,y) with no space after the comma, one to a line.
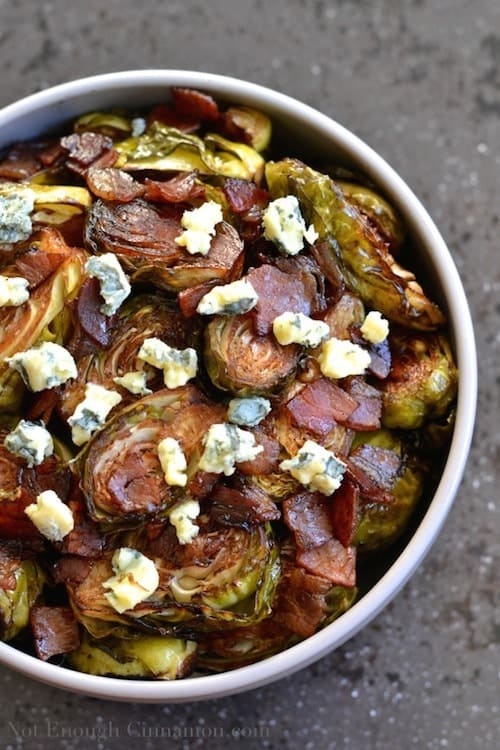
(419,81)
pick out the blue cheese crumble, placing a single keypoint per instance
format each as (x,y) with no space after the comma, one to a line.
(114,285)
(285,226)
(135,579)
(45,366)
(340,358)
(16,204)
(31,441)
(13,291)
(316,468)
(375,328)
(229,299)
(199,227)
(297,328)
(225,445)
(135,382)
(91,413)
(173,462)
(248,412)
(178,365)
(53,518)
(182,518)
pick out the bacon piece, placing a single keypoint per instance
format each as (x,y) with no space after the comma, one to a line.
(51,154)
(307,515)
(375,470)
(279,292)
(37,266)
(243,195)
(55,631)
(332,561)
(85,539)
(20,163)
(71,569)
(242,505)
(368,413)
(183,187)
(166,115)
(112,184)
(86,149)
(41,405)
(320,405)
(92,321)
(265,462)
(189,298)
(194,104)
(300,604)
(344,511)
(202,484)
(308,270)
(381,360)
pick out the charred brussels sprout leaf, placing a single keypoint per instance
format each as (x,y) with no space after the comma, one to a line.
(422,384)
(145,656)
(380,213)
(165,148)
(243,363)
(368,268)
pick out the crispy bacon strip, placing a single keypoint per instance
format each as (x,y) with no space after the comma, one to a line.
(183,187)
(367,415)
(319,406)
(242,505)
(344,511)
(332,561)
(55,631)
(306,514)
(375,470)
(301,605)
(194,104)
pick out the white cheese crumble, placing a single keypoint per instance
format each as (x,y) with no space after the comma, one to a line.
(52,517)
(182,517)
(316,467)
(248,412)
(31,441)
(114,285)
(45,366)
(91,413)
(135,382)
(199,227)
(16,204)
(375,328)
(285,226)
(173,462)
(297,328)
(225,445)
(138,126)
(340,358)
(13,291)
(229,299)
(135,579)
(178,365)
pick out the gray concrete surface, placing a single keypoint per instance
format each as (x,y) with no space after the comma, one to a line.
(419,81)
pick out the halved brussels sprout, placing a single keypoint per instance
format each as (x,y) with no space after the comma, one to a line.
(25,325)
(143,236)
(422,384)
(121,475)
(167,149)
(224,576)
(381,524)
(112,124)
(161,657)
(141,317)
(243,363)
(366,265)
(256,127)
(16,602)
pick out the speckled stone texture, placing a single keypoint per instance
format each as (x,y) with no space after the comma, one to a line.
(419,81)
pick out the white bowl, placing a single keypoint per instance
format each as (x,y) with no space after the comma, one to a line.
(309,133)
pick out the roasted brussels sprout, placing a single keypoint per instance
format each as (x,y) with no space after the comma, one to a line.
(366,265)
(143,237)
(422,384)
(243,363)
(224,577)
(155,656)
(21,582)
(382,523)
(379,212)
(122,477)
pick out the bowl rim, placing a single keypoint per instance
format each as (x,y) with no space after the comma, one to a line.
(387,587)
